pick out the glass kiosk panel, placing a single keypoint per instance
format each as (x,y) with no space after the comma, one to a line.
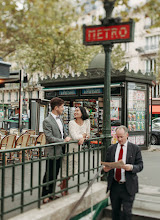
(136,112)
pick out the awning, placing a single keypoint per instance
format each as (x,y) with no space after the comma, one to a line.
(81,87)
(155,109)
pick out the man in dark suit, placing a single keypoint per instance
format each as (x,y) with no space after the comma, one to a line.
(54,131)
(123,183)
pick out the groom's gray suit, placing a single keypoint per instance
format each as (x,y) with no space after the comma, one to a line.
(53,135)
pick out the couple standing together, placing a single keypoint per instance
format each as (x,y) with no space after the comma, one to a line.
(79,129)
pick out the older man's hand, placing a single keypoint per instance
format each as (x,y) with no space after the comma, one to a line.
(106,169)
(127,167)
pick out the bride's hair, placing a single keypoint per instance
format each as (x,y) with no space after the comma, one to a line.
(84,113)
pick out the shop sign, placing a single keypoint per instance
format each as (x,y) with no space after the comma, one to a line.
(136,86)
(92,91)
(67,92)
(50,95)
(101,35)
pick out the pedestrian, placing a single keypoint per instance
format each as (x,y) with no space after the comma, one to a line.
(54,131)
(79,129)
(123,183)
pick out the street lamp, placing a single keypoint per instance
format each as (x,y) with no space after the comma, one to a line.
(22,79)
(108,6)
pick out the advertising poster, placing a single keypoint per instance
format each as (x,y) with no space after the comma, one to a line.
(114,109)
(137,139)
(132,139)
(113,134)
(1,113)
(136,110)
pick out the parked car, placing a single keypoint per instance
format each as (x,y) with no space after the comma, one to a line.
(155,134)
(156,121)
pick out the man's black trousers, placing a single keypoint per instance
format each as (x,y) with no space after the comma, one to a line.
(121,200)
(50,175)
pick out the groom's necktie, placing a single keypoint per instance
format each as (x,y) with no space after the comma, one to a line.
(118,171)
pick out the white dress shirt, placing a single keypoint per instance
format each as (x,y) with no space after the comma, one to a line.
(123,178)
(58,120)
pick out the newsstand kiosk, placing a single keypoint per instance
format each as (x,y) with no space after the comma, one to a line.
(130,99)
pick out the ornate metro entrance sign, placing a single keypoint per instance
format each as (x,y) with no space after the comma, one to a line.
(106,34)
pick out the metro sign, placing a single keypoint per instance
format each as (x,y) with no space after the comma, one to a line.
(106,34)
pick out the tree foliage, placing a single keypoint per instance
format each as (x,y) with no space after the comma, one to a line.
(151,10)
(117,57)
(42,35)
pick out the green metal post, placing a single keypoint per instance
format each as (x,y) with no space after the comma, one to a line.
(106,100)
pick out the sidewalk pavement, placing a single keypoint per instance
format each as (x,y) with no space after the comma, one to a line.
(150,173)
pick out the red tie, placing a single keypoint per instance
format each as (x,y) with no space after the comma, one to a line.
(118,171)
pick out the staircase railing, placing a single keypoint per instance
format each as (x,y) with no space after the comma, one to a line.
(21,181)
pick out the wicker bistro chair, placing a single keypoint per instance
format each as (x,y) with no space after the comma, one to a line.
(8,142)
(22,141)
(40,140)
(13,131)
(33,132)
(3,131)
(32,139)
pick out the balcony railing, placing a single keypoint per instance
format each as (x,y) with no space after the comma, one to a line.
(21,182)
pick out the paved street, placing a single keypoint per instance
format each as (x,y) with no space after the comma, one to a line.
(149,176)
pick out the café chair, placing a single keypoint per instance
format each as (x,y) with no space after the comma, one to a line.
(32,139)
(7,143)
(22,141)
(13,131)
(40,140)
(30,131)
(24,130)
(3,131)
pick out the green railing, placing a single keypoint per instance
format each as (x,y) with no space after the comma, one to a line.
(21,182)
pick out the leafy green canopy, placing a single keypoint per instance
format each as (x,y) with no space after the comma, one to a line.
(43,36)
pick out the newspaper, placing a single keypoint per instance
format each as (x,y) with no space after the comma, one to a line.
(117,164)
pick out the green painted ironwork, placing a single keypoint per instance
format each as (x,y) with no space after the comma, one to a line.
(26,175)
(97,208)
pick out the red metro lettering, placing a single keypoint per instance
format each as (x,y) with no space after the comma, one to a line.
(107,33)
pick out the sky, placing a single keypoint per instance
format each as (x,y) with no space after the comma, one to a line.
(135,2)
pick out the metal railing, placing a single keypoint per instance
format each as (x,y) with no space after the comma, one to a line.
(21,182)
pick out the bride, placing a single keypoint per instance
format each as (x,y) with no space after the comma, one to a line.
(79,129)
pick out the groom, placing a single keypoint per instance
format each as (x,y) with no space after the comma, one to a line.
(54,131)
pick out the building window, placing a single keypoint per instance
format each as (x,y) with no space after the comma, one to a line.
(152,42)
(9,96)
(2,96)
(37,94)
(30,95)
(150,65)
(148,22)
(24,95)
(16,96)
(127,65)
